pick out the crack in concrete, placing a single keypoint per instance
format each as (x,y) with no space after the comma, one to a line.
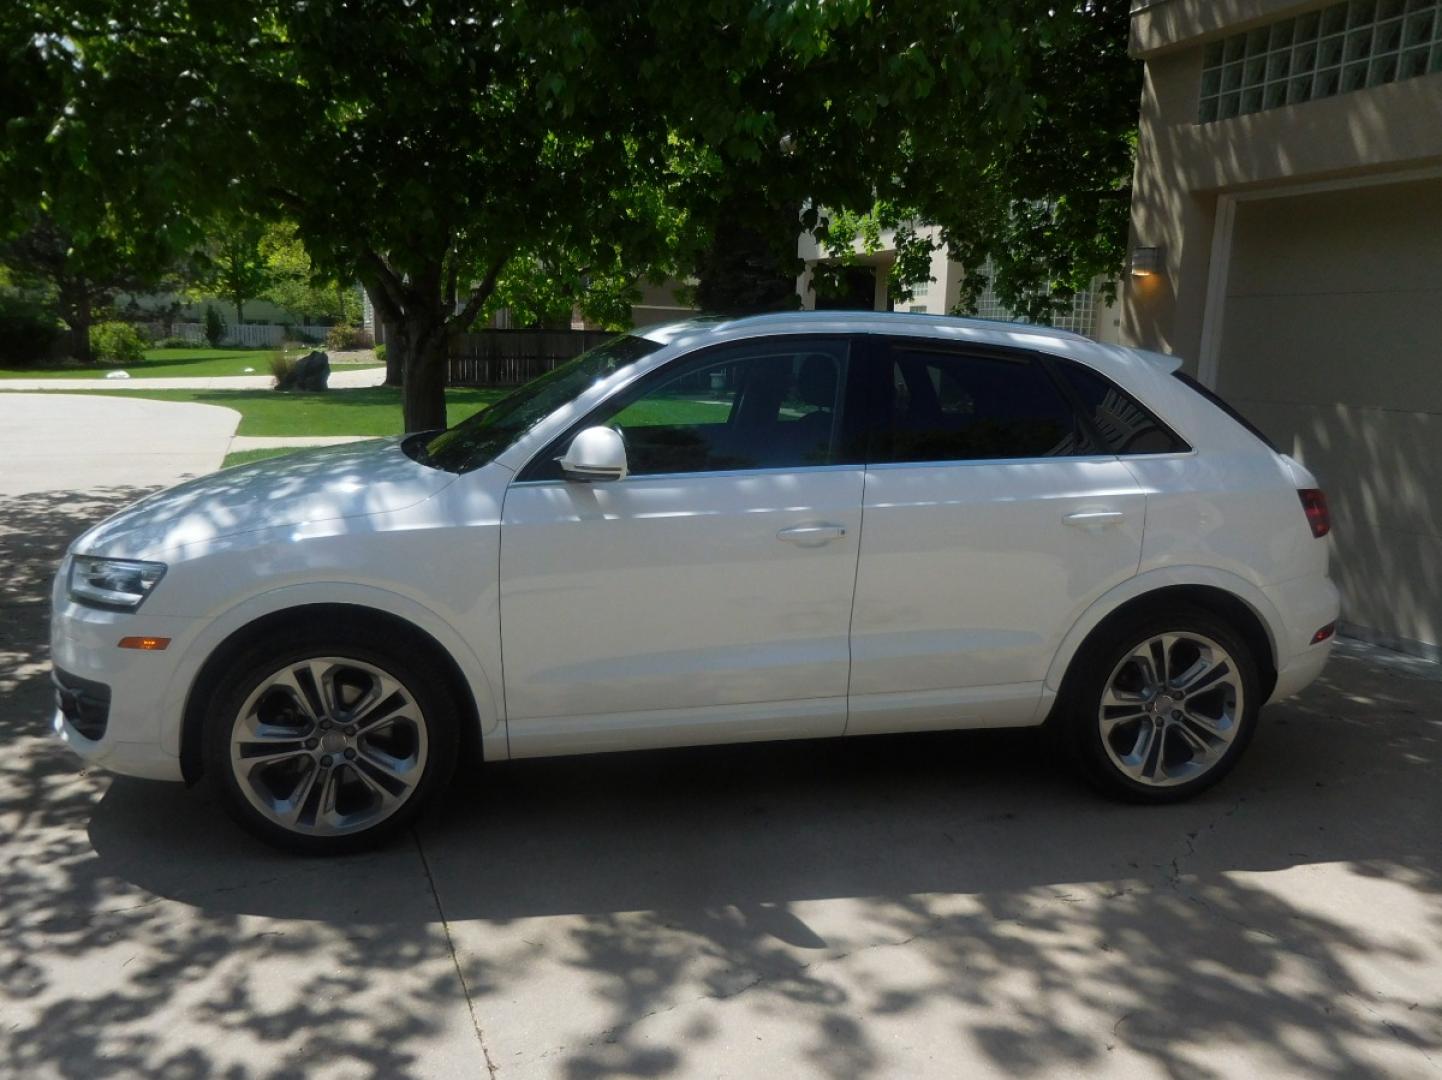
(455,957)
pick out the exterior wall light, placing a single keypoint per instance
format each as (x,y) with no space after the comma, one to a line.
(1146,261)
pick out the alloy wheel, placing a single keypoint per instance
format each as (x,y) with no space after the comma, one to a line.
(1171,709)
(328,745)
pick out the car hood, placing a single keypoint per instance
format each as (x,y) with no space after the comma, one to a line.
(320,484)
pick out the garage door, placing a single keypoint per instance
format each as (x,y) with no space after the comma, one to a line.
(1332,343)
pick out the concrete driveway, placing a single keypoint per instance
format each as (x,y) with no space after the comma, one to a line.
(67,442)
(944,905)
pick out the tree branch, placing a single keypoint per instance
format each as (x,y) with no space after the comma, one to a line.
(479,295)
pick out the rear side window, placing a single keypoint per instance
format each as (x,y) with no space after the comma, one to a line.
(1124,425)
(1211,396)
(949,406)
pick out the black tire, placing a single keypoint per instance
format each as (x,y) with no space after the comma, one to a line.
(421,679)
(1091,672)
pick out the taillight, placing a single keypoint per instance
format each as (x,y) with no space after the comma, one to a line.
(1314,504)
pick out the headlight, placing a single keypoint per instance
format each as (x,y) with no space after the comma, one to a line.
(112,583)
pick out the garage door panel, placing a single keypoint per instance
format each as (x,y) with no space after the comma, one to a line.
(1380,469)
(1360,349)
(1331,340)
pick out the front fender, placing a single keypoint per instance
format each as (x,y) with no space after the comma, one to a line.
(285,597)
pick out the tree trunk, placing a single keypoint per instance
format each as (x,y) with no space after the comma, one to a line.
(421,345)
(385,334)
(239,311)
(75,310)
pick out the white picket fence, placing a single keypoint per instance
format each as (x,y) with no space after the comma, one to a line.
(251,335)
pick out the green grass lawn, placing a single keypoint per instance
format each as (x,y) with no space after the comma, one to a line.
(371,410)
(174,364)
(245,457)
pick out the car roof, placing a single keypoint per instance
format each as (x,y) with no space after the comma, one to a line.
(714,329)
(855,322)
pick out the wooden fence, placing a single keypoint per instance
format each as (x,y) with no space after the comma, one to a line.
(512,357)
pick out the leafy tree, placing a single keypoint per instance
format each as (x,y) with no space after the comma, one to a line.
(82,274)
(423,147)
(232,264)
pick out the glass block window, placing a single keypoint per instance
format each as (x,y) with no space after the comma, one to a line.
(921,289)
(1340,48)
(1079,319)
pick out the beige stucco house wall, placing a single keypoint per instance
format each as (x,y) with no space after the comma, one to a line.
(1300,267)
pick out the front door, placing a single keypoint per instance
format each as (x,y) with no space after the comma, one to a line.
(992,518)
(707,596)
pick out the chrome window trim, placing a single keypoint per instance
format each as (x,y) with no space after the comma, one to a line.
(705,475)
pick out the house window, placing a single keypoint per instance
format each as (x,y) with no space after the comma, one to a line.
(1079,317)
(1341,48)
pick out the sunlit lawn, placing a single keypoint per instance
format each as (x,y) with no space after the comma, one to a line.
(370,410)
(174,364)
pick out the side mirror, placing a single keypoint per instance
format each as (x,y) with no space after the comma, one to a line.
(598,453)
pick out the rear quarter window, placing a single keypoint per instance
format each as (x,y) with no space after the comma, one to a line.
(1124,424)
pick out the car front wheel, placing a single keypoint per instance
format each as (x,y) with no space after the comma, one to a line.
(1164,706)
(329,746)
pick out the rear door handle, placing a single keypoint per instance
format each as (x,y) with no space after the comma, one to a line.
(1094,519)
(811,535)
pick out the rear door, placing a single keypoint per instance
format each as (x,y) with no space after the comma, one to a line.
(993,516)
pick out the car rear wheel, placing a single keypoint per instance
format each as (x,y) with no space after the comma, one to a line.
(1163,706)
(329,746)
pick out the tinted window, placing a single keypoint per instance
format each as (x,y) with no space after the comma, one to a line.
(763,405)
(1124,425)
(475,441)
(957,407)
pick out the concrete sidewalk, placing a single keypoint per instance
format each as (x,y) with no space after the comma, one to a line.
(66,442)
(947,905)
(340,379)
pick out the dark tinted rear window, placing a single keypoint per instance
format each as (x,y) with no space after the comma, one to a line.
(1124,424)
(1211,396)
(948,406)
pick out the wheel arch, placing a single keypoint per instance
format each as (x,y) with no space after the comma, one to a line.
(319,616)
(1231,598)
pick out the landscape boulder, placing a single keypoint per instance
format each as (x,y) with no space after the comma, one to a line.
(311,372)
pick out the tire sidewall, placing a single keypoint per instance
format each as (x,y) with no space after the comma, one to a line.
(420,679)
(1094,668)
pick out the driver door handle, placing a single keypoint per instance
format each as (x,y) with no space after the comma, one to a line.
(812,535)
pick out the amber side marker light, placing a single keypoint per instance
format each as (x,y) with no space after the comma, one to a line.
(149,644)
(1324,633)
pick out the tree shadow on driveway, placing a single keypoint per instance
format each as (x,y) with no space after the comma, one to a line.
(937,904)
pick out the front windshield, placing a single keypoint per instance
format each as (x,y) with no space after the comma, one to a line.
(475,441)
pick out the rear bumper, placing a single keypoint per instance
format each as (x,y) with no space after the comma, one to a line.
(1305,605)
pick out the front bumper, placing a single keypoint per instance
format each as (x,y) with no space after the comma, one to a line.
(129,735)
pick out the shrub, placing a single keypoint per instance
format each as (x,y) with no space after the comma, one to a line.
(175,343)
(214,327)
(30,336)
(341,338)
(294,335)
(116,343)
(381,353)
(282,364)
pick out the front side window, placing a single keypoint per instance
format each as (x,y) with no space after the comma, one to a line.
(475,441)
(953,406)
(769,404)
